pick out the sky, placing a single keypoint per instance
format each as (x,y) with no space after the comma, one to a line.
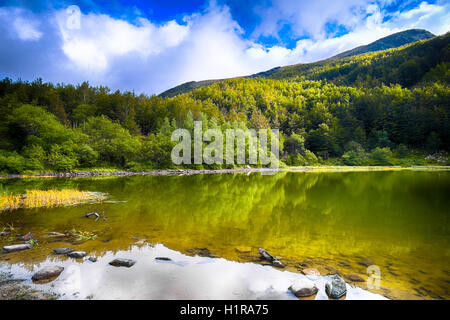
(150,46)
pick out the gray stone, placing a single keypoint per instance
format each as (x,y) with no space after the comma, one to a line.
(122,262)
(64,250)
(277,263)
(336,288)
(92,259)
(76,254)
(17,247)
(47,273)
(303,288)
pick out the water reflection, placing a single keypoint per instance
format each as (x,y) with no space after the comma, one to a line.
(397,219)
(183,277)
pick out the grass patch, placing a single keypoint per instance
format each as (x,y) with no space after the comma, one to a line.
(48,199)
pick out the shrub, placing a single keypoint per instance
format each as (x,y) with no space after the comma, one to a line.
(381,156)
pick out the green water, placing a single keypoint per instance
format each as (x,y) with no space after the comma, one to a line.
(329,221)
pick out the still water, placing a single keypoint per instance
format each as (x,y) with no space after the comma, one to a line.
(329,221)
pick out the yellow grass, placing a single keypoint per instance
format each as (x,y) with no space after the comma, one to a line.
(48,198)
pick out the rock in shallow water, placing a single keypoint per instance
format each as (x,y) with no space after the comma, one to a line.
(17,247)
(365,262)
(303,288)
(92,259)
(354,277)
(76,254)
(122,263)
(64,250)
(336,287)
(27,237)
(47,273)
(311,272)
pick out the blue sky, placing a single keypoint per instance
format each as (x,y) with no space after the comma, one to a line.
(150,46)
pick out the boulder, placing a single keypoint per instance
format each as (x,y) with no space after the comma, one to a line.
(76,254)
(64,250)
(17,247)
(336,288)
(354,277)
(92,259)
(311,272)
(303,288)
(47,273)
(122,263)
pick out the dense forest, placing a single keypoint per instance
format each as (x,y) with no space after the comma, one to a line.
(385,108)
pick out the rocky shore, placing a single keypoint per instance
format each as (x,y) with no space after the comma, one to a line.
(179,172)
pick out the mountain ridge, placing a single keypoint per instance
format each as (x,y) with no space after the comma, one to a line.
(392,41)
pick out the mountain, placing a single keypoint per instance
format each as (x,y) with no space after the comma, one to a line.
(393,41)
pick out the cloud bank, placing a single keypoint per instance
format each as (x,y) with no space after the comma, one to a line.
(69,46)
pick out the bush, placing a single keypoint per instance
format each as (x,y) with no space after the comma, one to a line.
(11,162)
(352,158)
(35,157)
(62,159)
(295,159)
(310,158)
(381,157)
(87,156)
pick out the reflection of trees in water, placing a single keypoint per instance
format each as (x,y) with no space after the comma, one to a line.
(296,214)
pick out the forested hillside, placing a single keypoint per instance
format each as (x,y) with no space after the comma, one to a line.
(384,108)
(393,41)
(389,66)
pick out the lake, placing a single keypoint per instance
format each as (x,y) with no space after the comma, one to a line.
(211,227)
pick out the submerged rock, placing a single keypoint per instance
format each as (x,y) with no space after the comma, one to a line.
(201,252)
(243,249)
(48,273)
(365,262)
(354,277)
(336,287)
(76,254)
(55,235)
(27,237)
(64,250)
(17,247)
(303,288)
(311,272)
(122,262)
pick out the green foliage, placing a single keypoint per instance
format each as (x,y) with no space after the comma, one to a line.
(391,100)
(381,156)
(113,143)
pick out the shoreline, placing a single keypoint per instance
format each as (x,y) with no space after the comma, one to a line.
(182,172)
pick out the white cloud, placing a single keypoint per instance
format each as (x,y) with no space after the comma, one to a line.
(149,57)
(26,30)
